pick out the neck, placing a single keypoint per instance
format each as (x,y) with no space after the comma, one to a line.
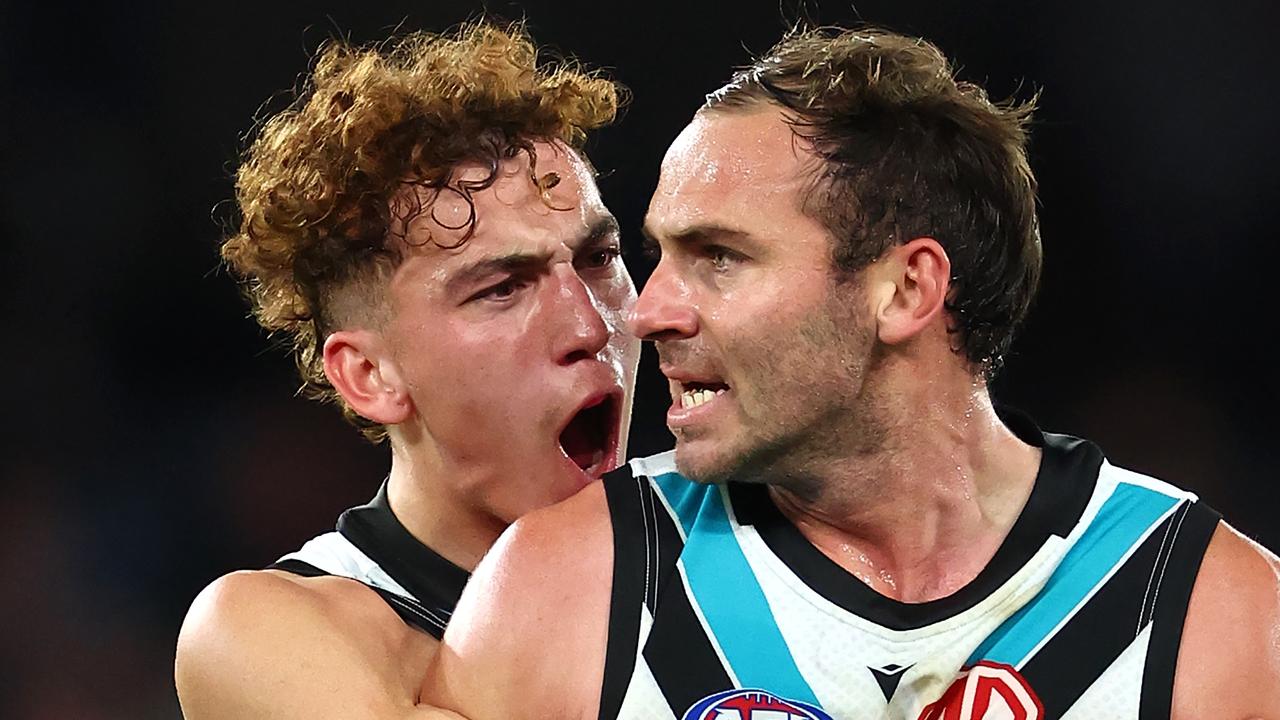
(432,510)
(919,516)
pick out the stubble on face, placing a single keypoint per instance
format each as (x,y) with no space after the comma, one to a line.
(802,396)
(794,341)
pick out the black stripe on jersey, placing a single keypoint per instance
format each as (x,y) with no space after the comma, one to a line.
(434,582)
(409,610)
(1172,595)
(680,655)
(1075,657)
(297,567)
(646,546)
(632,573)
(1157,575)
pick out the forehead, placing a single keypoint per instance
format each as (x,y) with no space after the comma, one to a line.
(512,215)
(728,169)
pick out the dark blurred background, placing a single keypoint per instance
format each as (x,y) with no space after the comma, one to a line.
(154,440)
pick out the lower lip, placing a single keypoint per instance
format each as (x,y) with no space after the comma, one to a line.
(679,416)
(592,473)
(581,477)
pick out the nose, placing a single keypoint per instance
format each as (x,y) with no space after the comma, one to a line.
(664,310)
(586,333)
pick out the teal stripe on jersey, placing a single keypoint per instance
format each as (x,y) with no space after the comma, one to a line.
(1120,524)
(726,590)
(684,496)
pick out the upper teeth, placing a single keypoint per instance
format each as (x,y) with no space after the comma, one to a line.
(694,398)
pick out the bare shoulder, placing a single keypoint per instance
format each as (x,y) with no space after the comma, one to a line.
(268,644)
(1229,660)
(539,600)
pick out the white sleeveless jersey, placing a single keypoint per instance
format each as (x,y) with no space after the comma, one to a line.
(721,610)
(372,547)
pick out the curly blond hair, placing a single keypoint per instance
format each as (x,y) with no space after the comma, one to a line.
(318,190)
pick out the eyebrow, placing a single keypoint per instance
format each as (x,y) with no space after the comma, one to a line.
(523,262)
(514,263)
(602,228)
(693,234)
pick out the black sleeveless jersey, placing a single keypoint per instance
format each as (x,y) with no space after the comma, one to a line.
(370,546)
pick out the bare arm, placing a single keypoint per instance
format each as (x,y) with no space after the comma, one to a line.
(528,638)
(1229,661)
(260,645)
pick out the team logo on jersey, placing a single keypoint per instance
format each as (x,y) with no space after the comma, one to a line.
(752,705)
(986,691)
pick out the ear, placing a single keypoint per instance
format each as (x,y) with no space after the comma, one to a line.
(364,374)
(914,280)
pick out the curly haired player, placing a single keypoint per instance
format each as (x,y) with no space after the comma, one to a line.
(423,225)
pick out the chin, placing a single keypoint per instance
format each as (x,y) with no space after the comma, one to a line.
(703,465)
(534,486)
(705,461)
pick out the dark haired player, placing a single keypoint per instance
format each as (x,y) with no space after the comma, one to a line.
(847,528)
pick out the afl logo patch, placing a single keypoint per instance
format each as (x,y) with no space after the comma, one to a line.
(752,705)
(986,691)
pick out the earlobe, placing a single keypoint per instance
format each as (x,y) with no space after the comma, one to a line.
(920,274)
(366,376)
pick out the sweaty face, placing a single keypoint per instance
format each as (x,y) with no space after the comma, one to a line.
(512,345)
(764,350)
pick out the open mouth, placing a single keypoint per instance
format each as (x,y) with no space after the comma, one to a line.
(694,394)
(589,440)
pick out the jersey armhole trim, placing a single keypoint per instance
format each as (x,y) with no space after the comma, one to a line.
(412,612)
(625,496)
(297,567)
(1178,577)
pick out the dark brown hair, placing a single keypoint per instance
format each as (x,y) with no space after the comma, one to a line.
(321,188)
(909,151)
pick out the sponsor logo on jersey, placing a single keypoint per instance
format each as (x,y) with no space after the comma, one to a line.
(986,691)
(752,705)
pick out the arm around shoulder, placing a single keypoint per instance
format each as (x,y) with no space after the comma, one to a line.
(1229,660)
(257,644)
(529,635)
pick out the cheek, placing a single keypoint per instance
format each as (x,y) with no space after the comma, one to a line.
(489,415)
(787,359)
(614,300)
(467,371)
(495,344)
